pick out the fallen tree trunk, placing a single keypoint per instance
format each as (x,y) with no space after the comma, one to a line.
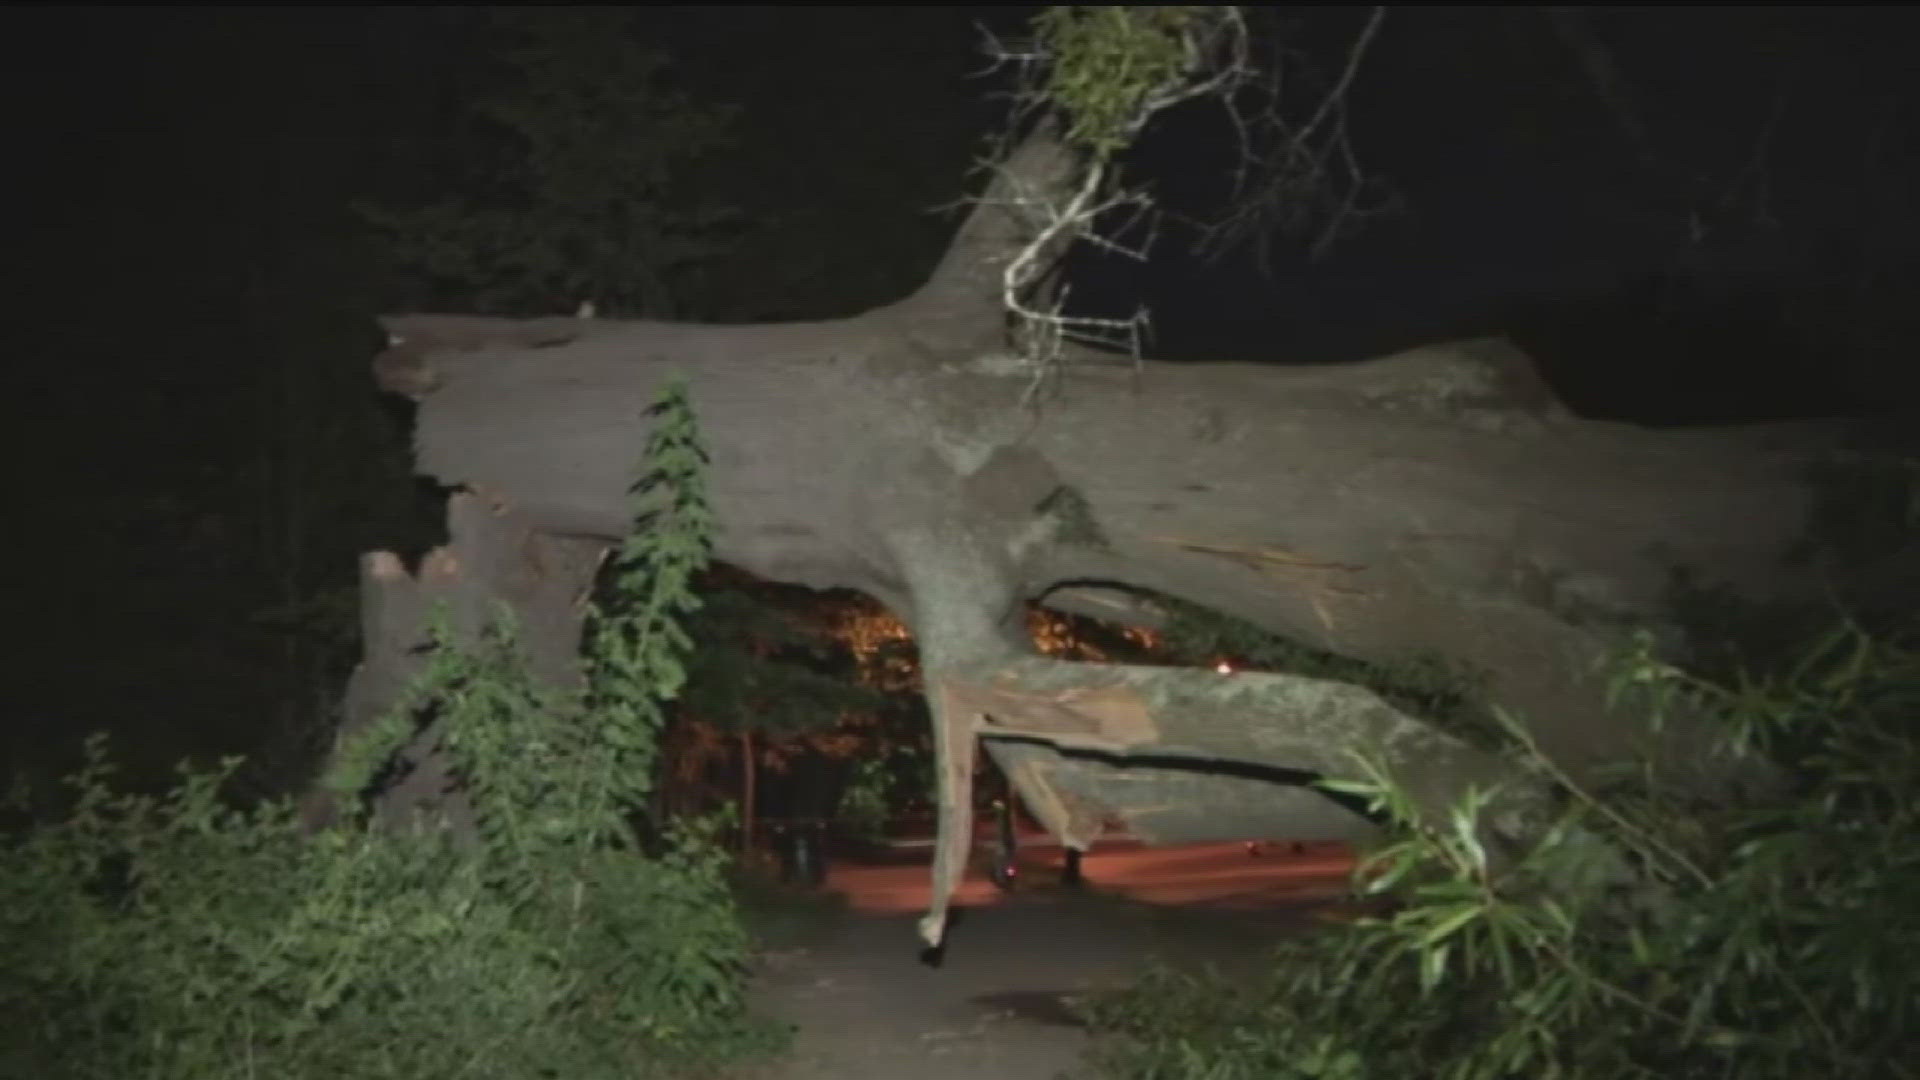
(494,564)
(1437,503)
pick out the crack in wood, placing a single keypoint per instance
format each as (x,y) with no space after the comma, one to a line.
(1260,558)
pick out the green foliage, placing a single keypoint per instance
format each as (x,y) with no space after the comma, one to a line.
(868,800)
(591,197)
(178,937)
(826,702)
(637,652)
(754,668)
(1771,939)
(1110,63)
(1424,686)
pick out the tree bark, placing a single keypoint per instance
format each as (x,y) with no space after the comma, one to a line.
(1435,503)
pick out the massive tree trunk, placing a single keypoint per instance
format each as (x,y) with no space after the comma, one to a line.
(1438,502)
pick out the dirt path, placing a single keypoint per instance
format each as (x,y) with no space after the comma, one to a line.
(865,1006)
(998,1006)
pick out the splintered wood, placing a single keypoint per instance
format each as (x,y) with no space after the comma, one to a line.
(1101,717)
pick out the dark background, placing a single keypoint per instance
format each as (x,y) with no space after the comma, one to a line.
(200,454)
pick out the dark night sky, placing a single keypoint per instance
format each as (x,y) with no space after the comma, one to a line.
(155,141)
(182,176)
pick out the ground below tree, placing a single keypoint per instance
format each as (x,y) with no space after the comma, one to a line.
(1000,1004)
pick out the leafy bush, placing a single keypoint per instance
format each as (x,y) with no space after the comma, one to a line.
(179,937)
(1772,939)
(865,805)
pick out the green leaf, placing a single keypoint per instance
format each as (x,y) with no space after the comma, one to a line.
(1447,922)
(1433,967)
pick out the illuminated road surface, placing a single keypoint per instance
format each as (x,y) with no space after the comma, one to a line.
(999,1005)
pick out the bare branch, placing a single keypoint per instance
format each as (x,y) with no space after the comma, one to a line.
(1211,47)
(1294,176)
(1088,83)
(1570,26)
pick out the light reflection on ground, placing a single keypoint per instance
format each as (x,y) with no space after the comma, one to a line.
(1213,875)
